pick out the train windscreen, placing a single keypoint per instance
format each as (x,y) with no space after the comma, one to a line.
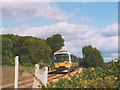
(61,57)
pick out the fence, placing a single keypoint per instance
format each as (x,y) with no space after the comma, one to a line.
(40,77)
(17,77)
(16,71)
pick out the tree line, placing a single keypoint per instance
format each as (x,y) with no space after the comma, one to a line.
(32,50)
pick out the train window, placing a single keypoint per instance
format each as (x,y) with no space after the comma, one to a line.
(73,58)
(61,57)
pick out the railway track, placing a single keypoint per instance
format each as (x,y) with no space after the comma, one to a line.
(57,76)
(27,81)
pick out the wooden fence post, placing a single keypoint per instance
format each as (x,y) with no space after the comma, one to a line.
(41,75)
(16,71)
(45,76)
(36,71)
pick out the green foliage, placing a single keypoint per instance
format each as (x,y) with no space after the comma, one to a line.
(6,60)
(36,50)
(7,46)
(92,57)
(80,62)
(55,42)
(92,77)
(31,50)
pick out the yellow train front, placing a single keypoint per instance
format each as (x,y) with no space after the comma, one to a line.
(64,60)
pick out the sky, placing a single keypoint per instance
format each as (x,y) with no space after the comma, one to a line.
(79,23)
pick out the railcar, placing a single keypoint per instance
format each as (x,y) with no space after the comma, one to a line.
(64,60)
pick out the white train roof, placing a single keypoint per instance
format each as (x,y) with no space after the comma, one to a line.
(62,51)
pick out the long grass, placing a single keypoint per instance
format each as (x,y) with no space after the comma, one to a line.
(8,72)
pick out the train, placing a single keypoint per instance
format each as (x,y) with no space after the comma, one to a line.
(64,60)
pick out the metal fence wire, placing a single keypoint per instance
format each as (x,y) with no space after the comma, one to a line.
(26,77)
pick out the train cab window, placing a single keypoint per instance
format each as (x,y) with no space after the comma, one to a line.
(61,57)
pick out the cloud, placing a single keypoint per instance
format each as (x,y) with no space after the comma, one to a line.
(108,59)
(76,36)
(67,30)
(85,2)
(114,54)
(86,19)
(19,11)
(69,46)
(110,30)
(105,43)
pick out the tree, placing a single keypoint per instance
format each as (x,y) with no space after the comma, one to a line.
(34,50)
(31,50)
(7,57)
(92,57)
(56,42)
(80,62)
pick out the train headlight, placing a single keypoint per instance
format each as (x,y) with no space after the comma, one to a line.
(56,63)
(67,63)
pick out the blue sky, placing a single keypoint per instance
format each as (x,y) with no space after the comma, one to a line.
(99,11)
(80,23)
(93,10)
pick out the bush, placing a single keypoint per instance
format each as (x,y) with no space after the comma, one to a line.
(89,78)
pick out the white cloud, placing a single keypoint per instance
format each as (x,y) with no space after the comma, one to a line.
(26,10)
(110,30)
(69,46)
(105,43)
(60,1)
(114,54)
(86,19)
(108,59)
(75,36)
(69,31)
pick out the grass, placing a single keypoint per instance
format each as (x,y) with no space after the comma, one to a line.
(8,72)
